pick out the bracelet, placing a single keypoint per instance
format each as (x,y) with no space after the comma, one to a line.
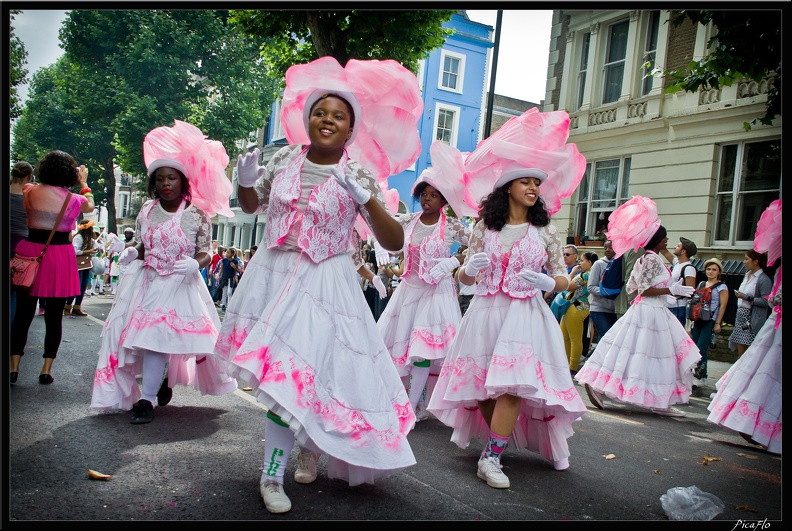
(85,190)
(89,194)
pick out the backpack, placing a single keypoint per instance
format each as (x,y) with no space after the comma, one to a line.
(611,280)
(699,307)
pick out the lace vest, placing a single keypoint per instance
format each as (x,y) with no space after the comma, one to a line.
(327,222)
(425,253)
(501,275)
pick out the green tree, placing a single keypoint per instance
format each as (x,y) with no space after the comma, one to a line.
(746,45)
(17,59)
(294,37)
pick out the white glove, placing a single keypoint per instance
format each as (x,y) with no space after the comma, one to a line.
(383,257)
(476,263)
(116,245)
(127,256)
(538,280)
(186,266)
(680,290)
(443,267)
(359,194)
(248,169)
(380,287)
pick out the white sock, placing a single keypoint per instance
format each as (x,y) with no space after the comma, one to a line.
(418,378)
(279,441)
(153,372)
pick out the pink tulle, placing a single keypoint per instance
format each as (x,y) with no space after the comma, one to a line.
(204,160)
(387,140)
(768,232)
(532,140)
(447,174)
(633,224)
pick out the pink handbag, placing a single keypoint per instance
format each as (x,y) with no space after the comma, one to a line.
(24,268)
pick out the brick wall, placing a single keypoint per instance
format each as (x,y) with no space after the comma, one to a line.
(681,43)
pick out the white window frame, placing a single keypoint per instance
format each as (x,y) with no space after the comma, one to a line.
(731,204)
(460,75)
(612,63)
(587,208)
(585,44)
(650,51)
(421,73)
(455,130)
(277,127)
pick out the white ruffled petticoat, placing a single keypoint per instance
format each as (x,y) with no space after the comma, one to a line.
(172,314)
(301,334)
(420,322)
(748,398)
(509,346)
(646,358)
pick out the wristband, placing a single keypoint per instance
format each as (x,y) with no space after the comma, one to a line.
(85,190)
(89,194)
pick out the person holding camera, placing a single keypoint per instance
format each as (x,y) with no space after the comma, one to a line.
(752,306)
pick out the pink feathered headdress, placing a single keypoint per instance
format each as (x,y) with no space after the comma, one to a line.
(391,201)
(388,98)
(447,174)
(533,144)
(632,225)
(203,161)
(768,232)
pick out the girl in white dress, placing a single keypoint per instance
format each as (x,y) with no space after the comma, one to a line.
(647,358)
(423,314)
(162,313)
(298,329)
(506,377)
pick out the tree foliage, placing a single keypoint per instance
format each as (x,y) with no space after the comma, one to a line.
(745,45)
(125,72)
(294,37)
(17,59)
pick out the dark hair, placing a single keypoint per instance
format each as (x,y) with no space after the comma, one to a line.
(420,187)
(254,248)
(591,256)
(349,107)
(151,188)
(494,209)
(88,237)
(762,259)
(658,236)
(58,168)
(21,170)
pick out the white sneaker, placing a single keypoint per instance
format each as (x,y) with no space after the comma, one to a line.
(489,469)
(421,413)
(306,467)
(561,464)
(274,498)
(670,412)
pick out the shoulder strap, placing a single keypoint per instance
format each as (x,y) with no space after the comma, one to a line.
(57,222)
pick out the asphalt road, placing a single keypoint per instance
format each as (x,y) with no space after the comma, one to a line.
(201,460)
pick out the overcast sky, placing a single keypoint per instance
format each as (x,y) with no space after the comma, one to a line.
(522,56)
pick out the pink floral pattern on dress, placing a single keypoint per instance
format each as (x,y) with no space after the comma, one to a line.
(167,242)
(501,275)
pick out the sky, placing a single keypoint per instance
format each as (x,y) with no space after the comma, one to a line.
(522,56)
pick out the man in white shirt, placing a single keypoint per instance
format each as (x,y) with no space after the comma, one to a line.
(682,268)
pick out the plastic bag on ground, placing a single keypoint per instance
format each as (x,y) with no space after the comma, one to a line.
(690,503)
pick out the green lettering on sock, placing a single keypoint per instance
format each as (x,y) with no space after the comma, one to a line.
(275,464)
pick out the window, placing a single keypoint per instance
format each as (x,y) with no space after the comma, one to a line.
(748,181)
(420,76)
(613,71)
(446,124)
(277,127)
(581,80)
(124,206)
(452,71)
(604,187)
(647,81)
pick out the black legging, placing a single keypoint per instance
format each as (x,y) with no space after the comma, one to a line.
(53,323)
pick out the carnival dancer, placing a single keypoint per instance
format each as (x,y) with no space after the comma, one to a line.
(748,396)
(298,329)
(646,359)
(162,313)
(506,377)
(423,314)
